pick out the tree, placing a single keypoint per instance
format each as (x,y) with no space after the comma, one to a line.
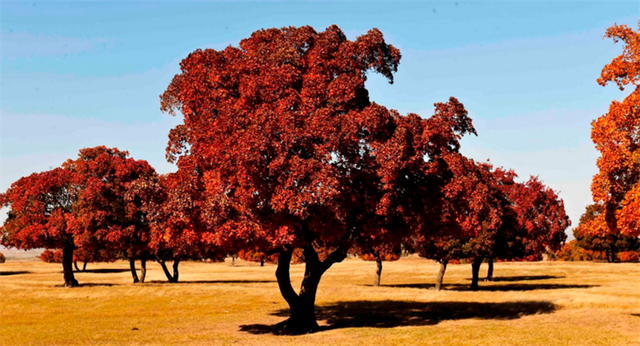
(617,184)
(291,153)
(2,258)
(41,215)
(605,242)
(106,218)
(379,253)
(475,218)
(541,217)
(79,255)
(79,205)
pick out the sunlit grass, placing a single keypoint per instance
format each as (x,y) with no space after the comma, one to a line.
(545,303)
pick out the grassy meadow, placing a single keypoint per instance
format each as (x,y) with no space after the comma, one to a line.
(543,303)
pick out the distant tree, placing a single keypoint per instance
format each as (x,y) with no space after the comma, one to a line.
(79,205)
(378,254)
(607,243)
(2,258)
(291,153)
(617,184)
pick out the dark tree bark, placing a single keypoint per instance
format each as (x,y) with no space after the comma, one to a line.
(440,278)
(84,266)
(262,261)
(376,281)
(172,278)
(302,304)
(75,264)
(67,264)
(143,270)
(475,269)
(490,270)
(132,265)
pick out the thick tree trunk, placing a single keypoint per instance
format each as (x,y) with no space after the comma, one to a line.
(302,305)
(143,270)
(440,278)
(132,265)
(75,264)
(84,266)
(67,265)
(376,280)
(262,261)
(172,278)
(475,269)
(490,270)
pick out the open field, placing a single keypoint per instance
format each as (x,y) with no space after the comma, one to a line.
(545,303)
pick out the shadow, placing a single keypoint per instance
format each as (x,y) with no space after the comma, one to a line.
(17,272)
(390,314)
(90,284)
(636,315)
(103,271)
(213,282)
(524,278)
(494,288)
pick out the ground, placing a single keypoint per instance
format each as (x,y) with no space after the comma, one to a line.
(539,303)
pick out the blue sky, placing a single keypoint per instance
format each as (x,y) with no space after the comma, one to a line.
(78,74)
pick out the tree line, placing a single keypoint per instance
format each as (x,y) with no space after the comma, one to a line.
(283,157)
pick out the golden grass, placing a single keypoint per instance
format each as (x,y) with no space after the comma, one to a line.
(545,303)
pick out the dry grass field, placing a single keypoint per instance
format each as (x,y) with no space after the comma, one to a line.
(546,303)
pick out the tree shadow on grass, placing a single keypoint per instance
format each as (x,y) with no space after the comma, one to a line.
(16,272)
(104,270)
(214,282)
(91,284)
(495,288)
(525,278)
(390,313)
(636,315)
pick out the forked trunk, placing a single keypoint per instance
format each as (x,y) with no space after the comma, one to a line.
(75,265)
(143,270)
(302,305)
(475,269)
(67,265)
(376,281)
(443,269)
(84,266)
(490,270)
(172,278)
(132,265)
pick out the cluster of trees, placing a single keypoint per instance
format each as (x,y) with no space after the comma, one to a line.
(588,246)
(613,222)
(282,157)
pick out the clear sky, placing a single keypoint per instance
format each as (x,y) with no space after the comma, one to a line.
(78,74)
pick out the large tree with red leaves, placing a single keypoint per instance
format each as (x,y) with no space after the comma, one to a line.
(291,153)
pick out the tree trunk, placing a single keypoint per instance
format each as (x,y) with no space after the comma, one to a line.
(132,265)
(172,278)
(376,280)
(262,261)
(302,305)
(75,264)
(143,270)
(439,279)
(490,270)
(475,269)
(84,266)
(67,264)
